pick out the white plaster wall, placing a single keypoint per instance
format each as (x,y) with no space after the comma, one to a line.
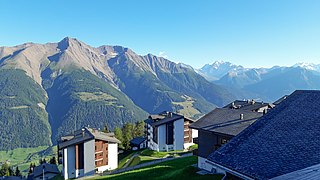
(203,164)
(112,155)
(162,137)
(79,173)
(143,145)
(89,163)
(151,144)
(187,145)
(70,163)
(112,158)
(178,134)
(194,133)
(65,165)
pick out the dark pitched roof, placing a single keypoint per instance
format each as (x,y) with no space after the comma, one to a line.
(284,140)
(86,134)
(250,105)
(226,121)
(277,102)
(48,168)
(163,118)
(137,141)
(309,173)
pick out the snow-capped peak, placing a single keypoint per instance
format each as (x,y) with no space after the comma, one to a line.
(309,66)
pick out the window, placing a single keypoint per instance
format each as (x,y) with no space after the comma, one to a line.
(81,156)
(224,141)
(169,133)
(155,135)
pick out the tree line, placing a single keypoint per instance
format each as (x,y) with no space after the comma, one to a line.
(7,170)
(127,132)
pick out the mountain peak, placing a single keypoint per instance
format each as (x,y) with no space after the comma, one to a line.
(308,66)
(67,42)
(219,68)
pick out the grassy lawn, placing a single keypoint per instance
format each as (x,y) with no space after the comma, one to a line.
(148,152)
(22,157)
(145,156)
(144,159)
(124,157)
(176,169)
(140,160)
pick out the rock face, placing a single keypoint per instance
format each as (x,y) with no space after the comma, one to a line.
(80,85)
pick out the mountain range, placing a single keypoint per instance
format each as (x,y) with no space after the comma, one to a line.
(51,89)
(267,84)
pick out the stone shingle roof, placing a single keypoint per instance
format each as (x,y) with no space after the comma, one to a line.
(277,102)
(226,121)
(309,173)
(86,134)
(48,168)
(137,141)
(250,105)
(284,140)
(163,118)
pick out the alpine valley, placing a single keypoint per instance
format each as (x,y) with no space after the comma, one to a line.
(264,84)
(54,88)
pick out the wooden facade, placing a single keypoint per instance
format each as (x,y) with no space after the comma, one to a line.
(187,132)
(79,156)
(101,153)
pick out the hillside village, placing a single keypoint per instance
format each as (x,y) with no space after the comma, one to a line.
(245,139)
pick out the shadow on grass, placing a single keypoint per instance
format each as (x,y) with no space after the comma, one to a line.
(163,172)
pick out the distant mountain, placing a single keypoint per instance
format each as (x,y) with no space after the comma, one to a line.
(60,87)
(308,66)
(267,83)
(284,83)
(218,69)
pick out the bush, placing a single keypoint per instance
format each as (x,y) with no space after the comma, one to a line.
(193,147)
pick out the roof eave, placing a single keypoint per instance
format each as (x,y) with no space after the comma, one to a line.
(236,173)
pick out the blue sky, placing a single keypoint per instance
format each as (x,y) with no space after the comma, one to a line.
(248,32)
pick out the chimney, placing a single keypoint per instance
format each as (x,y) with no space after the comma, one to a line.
(252,101)
(82,132)
(265,111)
(170,114)
(241,116)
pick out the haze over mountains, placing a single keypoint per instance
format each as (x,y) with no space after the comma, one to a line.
(54,88)
(266,84)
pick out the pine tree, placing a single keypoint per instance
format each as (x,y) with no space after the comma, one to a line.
(106,129)
(118,134)
(53,160)
(5,169)
(30,168)
(127,131)
(139,129)
(17,173)
(11,173)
